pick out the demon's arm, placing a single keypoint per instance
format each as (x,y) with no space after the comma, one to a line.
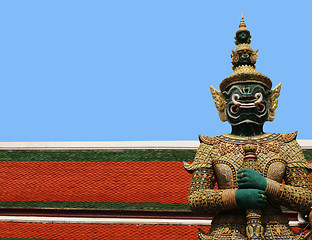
(202,195)
(296,194)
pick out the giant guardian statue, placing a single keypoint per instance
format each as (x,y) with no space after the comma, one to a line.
(256,172)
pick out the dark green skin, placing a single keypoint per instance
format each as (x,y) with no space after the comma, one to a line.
(246,122)
(242,37)
(250,198)
(251,192)
(247,129)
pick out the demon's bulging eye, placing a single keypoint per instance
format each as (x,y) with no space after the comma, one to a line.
(235,98)
(259,96)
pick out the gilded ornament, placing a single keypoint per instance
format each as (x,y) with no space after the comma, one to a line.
(242,35)
(244,55)
(245,74)
(273,101)
(219,102)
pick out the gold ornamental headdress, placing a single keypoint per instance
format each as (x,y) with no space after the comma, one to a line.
(244,59)
(245,74)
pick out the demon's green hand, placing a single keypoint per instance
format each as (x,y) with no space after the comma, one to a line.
(250,198)
(247,178)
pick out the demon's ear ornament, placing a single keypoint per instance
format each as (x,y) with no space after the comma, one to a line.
(254,56)
(219,102)
(273,101)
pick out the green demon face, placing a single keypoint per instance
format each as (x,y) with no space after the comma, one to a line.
(246,103)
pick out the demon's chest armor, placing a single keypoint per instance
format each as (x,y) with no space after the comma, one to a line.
(272,153)
(225,154)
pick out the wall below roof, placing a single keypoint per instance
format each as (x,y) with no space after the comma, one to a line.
(122,145)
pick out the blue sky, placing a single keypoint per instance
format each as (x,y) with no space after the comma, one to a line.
(141,70)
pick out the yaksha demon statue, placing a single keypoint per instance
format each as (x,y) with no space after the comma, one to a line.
(248,165)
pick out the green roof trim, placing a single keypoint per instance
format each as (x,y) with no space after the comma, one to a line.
(105,156)
(308,154)
(98,156)
(96,205)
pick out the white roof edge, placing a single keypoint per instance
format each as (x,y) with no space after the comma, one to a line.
(136,221)
(305,144)
(122,145)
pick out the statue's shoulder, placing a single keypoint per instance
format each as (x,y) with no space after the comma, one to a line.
(288,137)
(204,154)
(293,151)
(208,140)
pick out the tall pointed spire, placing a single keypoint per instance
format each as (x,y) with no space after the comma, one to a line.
(242,23)
(242,35)
(244,59)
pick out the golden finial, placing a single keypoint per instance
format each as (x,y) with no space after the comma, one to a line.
(242,25)
(242,28)
(242,22)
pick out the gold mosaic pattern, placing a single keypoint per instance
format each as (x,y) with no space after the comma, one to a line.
(234,227)
(279,157)
(265,138)
(235,159)
(293,152)
(286,138)
(281,231)
(275,170)
(296,194)
(203,157)
(202,196)
(272,146)
(224,175)
(265,161)
(226,232)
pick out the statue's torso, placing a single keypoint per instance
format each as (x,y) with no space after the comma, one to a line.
(229,158)
(225,155)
